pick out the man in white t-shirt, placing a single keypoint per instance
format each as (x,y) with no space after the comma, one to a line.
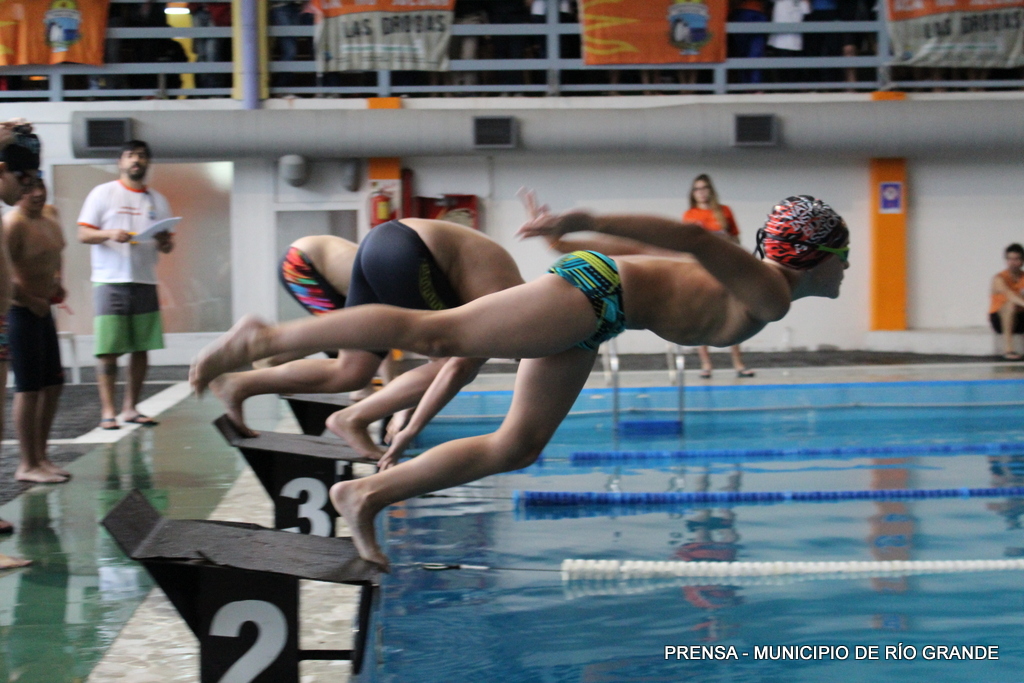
(124,278)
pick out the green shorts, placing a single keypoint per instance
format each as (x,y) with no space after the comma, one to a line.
(127,318)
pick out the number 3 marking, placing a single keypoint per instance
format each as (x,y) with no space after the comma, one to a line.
(273,634)
(312,509)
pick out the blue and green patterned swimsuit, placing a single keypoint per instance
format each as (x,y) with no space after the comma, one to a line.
(597,277)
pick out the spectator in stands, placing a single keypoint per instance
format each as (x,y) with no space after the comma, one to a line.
(707,212)
(206,14)
(146,50)
(855,44)
(1006,313)
(287,14)
(749,44)
(466,47)
(824,44)
(509,47)
(788,44)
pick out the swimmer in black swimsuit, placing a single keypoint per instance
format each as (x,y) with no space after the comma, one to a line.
(413,263)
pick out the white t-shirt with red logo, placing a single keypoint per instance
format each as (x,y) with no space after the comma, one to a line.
(115,206)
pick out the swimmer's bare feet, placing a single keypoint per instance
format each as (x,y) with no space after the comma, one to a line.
(354,433)
(8,562)
(234,348)
(226,389)
(38,475)
(359,515)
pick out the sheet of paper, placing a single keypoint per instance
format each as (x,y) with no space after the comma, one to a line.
(166,225)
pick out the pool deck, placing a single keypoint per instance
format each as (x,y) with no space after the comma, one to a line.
(82,612)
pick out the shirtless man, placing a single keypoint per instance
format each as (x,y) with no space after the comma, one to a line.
(413,263)
(556,324)
(19,165)
(1006,312)
(35,242)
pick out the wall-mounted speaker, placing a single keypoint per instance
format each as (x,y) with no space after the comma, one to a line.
(495,132)
(756,130)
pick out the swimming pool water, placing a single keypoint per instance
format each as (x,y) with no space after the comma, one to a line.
(514,619)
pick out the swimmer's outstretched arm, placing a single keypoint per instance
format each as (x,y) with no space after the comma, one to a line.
(607,245)
(762,288)
(455,374)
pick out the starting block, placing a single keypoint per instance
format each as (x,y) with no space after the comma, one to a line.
(312,410)
(297,472)
(224,576)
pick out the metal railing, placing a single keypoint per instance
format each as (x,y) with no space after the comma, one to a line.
(549,75)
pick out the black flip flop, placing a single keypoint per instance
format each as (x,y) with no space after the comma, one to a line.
(143,420)
(109,423)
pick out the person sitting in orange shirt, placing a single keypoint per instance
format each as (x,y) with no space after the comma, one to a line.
(706,211)
(1007,310)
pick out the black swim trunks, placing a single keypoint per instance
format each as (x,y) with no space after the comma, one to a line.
(393,266)
(35,353)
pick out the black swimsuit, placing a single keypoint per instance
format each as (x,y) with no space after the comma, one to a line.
(393,266)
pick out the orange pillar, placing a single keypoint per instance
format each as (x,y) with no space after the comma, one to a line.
(888,244)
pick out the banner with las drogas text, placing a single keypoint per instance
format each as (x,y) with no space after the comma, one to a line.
(52,31)
(957,33)
(652,31)
(398,35)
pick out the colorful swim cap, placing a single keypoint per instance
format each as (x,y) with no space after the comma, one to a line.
(796,227)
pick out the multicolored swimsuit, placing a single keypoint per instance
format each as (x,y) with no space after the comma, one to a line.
(597,277)
(305,283)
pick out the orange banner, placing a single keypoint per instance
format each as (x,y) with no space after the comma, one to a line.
(913,9)
(653,31)
(335,8)
(52,31)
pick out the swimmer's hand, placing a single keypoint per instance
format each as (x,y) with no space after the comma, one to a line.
(399,443)
(554,225)
(540,222)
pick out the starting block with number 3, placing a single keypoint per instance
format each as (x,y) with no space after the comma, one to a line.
(312,410)
(297,471)
(225,578)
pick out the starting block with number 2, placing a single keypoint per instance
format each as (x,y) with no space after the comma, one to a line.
(225,578)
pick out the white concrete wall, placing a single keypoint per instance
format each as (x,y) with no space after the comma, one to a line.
(963,212)
(962,216)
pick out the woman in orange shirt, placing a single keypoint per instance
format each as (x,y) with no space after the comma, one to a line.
(706,211)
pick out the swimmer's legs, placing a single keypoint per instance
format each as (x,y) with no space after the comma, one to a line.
(545,390)
(351,370)
(402,392)
(532,320)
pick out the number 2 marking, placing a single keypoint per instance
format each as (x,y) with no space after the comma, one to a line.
(273,634)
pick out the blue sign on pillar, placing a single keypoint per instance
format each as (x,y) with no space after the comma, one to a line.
(890,197)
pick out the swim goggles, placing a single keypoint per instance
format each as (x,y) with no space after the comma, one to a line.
(842,252)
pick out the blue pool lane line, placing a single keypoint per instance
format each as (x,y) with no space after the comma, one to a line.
(591,457)
(675,498)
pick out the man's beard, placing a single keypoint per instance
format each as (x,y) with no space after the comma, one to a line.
(136,174)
